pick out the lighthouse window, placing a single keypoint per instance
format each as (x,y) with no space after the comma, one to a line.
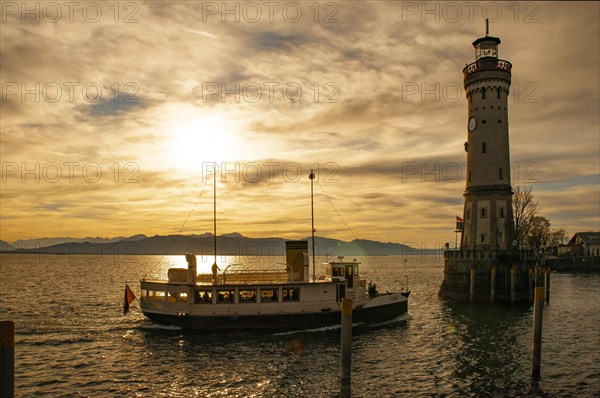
(500,174)
(483,212)
(483,148)
(502,212)
(469,175)
(498,92)
(482,238)
(499,121)
(483,121)
(483,93)
(468,215)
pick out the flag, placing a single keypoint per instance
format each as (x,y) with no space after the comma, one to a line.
(128,299)
(459,224)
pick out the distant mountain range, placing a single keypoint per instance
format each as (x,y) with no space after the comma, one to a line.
(233,244)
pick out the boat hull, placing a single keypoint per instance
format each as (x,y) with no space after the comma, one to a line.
(387,310)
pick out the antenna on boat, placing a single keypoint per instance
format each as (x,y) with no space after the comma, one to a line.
(312,212)
(215,210)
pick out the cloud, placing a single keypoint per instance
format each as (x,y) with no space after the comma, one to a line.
(381,105)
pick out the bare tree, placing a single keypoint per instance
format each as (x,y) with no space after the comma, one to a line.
(558,236)
(524,212)
(538,237)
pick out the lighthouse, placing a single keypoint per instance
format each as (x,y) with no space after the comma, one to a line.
(487,215)
(487,266)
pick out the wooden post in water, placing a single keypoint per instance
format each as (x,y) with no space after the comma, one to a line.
(346,377)
(531,284)
(536,349)
(493,286)
(472,286)
(7,359)
(547,284)
(513,287)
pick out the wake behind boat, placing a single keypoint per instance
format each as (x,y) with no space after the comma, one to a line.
(281,299)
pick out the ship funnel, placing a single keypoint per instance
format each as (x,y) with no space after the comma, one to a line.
(191,274)
(296,258)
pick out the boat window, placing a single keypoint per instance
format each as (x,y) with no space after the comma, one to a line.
(291,294)
(225,296)
(143,294)
(356,270)
(203,296)
(173,297)
(247,296)
(267,295)
(182,297)
(338,271)
(155,295)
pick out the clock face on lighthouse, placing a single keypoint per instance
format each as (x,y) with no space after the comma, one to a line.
(472,124)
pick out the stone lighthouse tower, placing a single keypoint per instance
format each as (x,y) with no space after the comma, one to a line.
(487,213)
(487,266)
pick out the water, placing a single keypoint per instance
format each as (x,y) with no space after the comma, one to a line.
(73,340)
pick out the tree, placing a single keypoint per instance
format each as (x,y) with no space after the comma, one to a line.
(530,230)
(558,236)
(539,234)
(524,212)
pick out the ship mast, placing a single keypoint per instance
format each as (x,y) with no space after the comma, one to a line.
(312,212)
(215,211)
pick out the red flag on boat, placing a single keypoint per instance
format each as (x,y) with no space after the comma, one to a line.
(458,219)
(128,299)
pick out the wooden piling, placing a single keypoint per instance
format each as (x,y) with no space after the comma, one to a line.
(513,287)
(536,349)
(7,359)
(346,348)
(493,286)
(531,284)
(472,286)
(547,284)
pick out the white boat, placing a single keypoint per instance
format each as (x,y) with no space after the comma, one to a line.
(267,300)
(283,299)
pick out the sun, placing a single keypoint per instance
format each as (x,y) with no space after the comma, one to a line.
(197,140)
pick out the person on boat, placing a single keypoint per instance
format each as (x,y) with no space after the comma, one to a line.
(215,268)
(373,290)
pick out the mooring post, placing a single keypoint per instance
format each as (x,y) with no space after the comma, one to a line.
(547,284)
(472,286)
(346,378)
(493,286)
(513,287)
(536,350)
(7,359)
(531,284)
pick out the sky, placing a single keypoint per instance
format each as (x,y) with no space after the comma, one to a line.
(113,115)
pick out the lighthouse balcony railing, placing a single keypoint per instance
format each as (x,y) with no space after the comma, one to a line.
(487,64)
(485,254)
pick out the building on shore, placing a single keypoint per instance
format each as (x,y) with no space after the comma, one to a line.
(580,254)
(581,244)
(487,266)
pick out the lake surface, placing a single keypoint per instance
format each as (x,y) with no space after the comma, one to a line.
(73,340)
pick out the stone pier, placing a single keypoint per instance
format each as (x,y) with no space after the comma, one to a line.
(457,275)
